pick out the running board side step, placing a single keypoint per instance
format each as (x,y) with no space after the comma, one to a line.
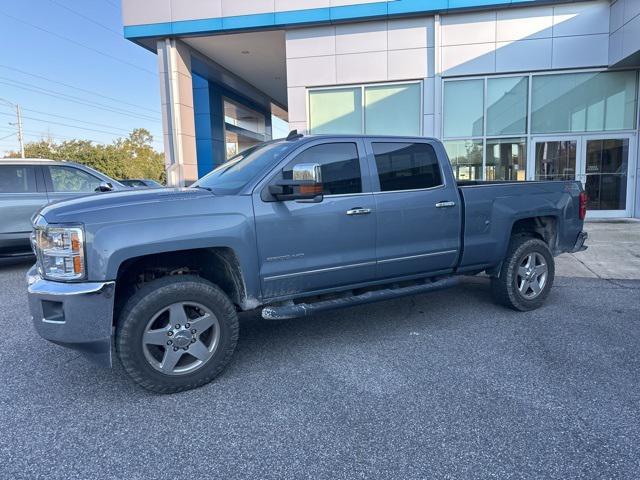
(296,310)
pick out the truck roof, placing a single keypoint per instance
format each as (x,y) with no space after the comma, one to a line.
(33,161)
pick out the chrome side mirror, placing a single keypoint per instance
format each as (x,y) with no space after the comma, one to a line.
(305,184)
(310,172)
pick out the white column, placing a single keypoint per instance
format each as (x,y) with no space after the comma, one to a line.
(178,123)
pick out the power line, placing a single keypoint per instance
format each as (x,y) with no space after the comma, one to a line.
(71,98)
(70,126)
(89,19)
(76,120)
(42,77)
(74,42)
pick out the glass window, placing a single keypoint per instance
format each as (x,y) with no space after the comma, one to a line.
(336,111)
(393,109)
(231,177)
(17,179)
(583,102)
(463,108)
(466,158)
(340,167)
(606,169)
(70,179)
(406,166)
(556,160)
(506,159)
(507,105)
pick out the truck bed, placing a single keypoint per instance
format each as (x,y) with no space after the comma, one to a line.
(492,208)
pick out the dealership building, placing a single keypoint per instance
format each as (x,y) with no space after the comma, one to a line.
(516,90)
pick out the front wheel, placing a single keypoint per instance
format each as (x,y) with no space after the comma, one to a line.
(176,333)
(526,276)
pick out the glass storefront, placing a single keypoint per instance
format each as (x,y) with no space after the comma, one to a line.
(385,109)
(581,126)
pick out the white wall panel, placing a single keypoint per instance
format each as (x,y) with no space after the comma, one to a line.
(468,28)
(297,98)
(137,12)
(361,37)
(523,55)
(285,5)
(582,51)
(580,18)
(232,8)
(195,9)
(469,59)
(361,67)
(524,23)
(311,42)
(407,64)
(311,71)
(410,33)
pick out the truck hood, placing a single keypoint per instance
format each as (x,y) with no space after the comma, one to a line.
(122,204)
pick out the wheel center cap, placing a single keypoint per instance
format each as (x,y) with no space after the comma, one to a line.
(182,338)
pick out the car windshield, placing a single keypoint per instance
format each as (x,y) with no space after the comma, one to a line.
(232,176)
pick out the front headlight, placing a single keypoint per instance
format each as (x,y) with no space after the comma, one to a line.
(60,252)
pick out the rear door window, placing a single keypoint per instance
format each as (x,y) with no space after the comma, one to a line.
(71,179)
(17,179)
(339,163)
(406,166)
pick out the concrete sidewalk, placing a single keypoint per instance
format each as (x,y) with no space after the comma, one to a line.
(613,253)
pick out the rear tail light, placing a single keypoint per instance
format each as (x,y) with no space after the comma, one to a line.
(583,205)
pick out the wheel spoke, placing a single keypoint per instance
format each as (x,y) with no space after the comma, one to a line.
(170,359)
(156,337)
(199,350)
(524,287)
(522,272)
(530,261)
(535,286)
(203,323)
(540,269)
(177,315)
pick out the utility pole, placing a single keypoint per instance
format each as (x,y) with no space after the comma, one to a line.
(19,124)
(20,134)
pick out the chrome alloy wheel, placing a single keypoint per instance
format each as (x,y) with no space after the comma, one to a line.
(181,338)
(532,275)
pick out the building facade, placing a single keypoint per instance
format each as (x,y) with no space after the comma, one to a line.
(517,90)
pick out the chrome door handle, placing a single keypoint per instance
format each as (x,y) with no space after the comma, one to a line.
(359,211)
(445,204)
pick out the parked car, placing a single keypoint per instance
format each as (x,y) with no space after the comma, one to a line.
(28,184)
(141,183)
(294,227)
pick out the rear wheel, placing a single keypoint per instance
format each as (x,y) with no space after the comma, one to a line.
(526,276)
(176,333)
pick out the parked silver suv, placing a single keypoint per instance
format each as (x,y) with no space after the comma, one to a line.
(28,184)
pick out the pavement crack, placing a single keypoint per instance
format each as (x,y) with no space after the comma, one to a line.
(608,280)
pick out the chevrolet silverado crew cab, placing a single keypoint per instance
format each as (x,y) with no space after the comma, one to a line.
(292,226)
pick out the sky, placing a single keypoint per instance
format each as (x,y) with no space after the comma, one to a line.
(68,66)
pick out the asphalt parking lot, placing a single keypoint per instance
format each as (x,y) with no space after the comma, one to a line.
(444,385)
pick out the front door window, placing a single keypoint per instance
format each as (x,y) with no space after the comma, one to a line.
(606,173)
(556,160)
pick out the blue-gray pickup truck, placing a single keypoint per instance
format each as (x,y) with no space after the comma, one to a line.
(292,226)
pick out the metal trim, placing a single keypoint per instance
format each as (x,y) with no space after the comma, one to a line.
(320,270)
(422,255)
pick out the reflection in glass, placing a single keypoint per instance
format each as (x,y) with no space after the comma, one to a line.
(463,108)
(336,111)
(466,158)
(606,169)
(507,105)
(556,160)
(506,159)
(393,109)
(583,102)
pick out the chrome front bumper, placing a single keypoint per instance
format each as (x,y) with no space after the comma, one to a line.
(74,315)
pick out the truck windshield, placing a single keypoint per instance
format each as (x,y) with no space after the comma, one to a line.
(232,176)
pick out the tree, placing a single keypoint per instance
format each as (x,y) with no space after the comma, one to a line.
(130,157)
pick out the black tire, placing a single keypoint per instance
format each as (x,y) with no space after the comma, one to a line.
(152,298)
(504,287)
